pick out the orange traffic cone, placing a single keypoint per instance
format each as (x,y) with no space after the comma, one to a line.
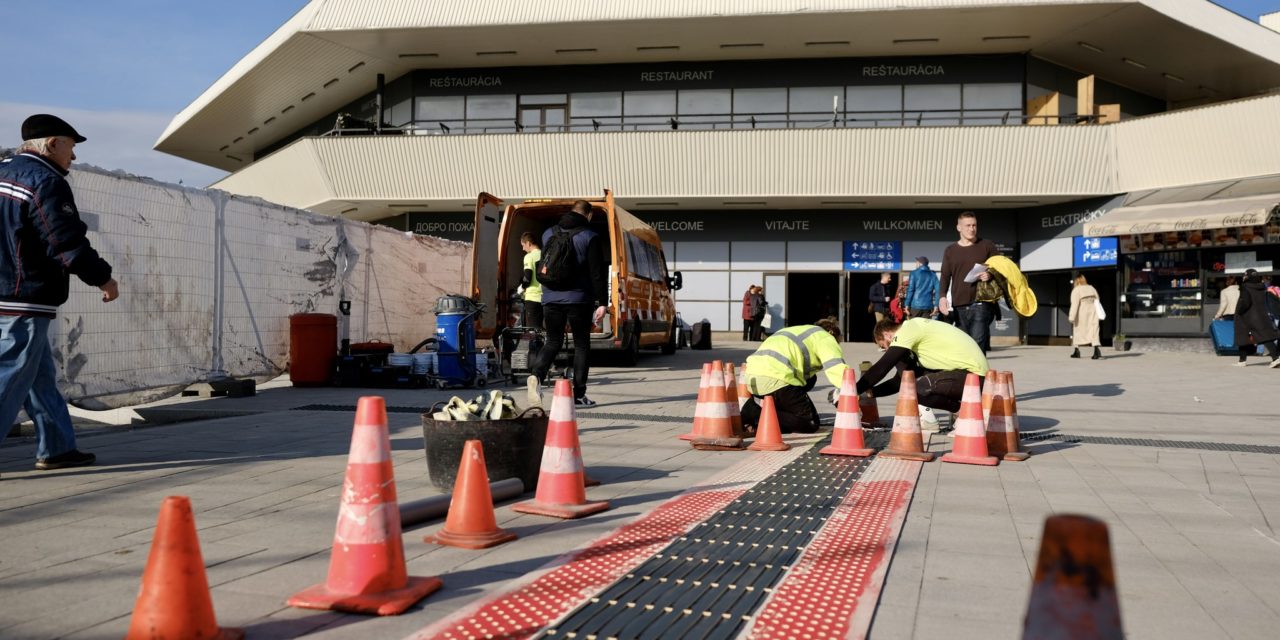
(1002,430)
(731,392)
(907,441)
(870,411)
(769,433)
(1074,593)
(988,388)
(703,386)
(971,438)
(174,601)
(471,523)
(717,433)
(560,491)
(846,438)
(366,568)
(744,393)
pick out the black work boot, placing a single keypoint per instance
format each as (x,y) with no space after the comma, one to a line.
(1097,353)
(1075,353)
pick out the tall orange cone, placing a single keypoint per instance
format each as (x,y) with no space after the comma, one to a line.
(704,385)
(366,568)
(560,491)
(471,523)
(769,433)
(1002,429)
(988,389)
(907,441)
(970,445)
(1074,593)
(717,433)
(174,601)
(846,438)
(744,393)
(731,392)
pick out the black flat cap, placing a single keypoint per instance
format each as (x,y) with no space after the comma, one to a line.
(43,125)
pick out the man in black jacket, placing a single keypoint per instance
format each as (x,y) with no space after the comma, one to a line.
(46,243)
(580,304)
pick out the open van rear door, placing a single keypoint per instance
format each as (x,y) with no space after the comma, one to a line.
(485,286)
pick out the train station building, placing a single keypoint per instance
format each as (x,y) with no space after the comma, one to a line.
(805,147)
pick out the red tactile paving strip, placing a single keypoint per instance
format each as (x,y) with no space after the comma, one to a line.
(832,590)
(535,602)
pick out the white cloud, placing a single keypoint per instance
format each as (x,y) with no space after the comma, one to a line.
(117,140)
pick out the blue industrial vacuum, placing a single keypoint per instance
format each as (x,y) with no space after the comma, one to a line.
(456,342)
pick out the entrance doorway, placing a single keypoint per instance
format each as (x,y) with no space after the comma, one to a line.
(860,322)
(542,118)
(812,296)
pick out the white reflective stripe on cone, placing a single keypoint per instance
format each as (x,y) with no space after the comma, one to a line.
(969,427)
(906,424)
(847,420)
(561,460)
(999,424)
(369,446)
(712,410)
(363,523)
(562,410)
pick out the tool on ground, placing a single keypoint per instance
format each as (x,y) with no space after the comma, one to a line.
(496,406)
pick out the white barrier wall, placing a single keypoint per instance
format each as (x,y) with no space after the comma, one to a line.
(208,282)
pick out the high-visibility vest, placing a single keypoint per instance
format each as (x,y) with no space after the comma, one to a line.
(795,354)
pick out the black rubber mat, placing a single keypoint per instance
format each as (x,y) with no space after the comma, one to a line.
(709,582)
(1144,442)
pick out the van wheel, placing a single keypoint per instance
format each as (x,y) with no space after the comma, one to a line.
(669,347)
(631,353)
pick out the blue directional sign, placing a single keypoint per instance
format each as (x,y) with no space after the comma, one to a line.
(1094,252)
(860,255)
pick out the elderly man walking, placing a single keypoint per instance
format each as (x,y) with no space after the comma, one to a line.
(46,243)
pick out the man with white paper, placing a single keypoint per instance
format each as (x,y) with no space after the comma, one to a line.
(963,267)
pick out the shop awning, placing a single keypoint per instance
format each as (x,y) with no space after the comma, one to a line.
(1184,216)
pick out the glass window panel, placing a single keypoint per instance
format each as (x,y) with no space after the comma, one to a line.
(596,104)
(649,103)
(874,119)
(931,97)
(991,117)
(399,114)
(761,121)
(719,121)
(491,107)
(756,101)
(589,124)
(814,99)
(993,96)
(708,101)
(543,98)
(440,107)
(880,98)
(554,118)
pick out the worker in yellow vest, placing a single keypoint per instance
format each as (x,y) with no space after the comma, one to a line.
(786,366)
(941,356)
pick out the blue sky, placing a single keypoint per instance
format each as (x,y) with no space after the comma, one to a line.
(119,70)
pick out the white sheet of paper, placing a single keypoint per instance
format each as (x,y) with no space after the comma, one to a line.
(977,270)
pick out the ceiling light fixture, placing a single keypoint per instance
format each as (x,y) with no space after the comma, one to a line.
(664,47)
(1131,61)
(495,53)
(1170,76)
(575,50)
(269,120)
(357,66)
(419,55)
(308,96)
(742,45)
(346,211)
(235,158)
(914,40)
(253,131)
(828,43)
(999,38)
(287,109)
(330,83)
(1093,48)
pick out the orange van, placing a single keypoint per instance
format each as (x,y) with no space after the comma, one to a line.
(641,312)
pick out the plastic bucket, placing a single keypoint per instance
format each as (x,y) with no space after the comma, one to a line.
(512,448)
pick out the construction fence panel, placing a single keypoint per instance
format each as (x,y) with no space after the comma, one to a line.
(208,282)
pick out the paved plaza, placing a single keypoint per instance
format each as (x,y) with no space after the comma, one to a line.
(1177,452)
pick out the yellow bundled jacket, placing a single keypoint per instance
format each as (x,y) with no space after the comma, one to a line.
(792,356)
(1021,297)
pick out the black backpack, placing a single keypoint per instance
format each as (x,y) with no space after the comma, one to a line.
(558,268)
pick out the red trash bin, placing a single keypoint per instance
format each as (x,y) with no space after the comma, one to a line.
(313,348)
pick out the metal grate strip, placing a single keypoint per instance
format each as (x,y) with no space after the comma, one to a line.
(1145,442)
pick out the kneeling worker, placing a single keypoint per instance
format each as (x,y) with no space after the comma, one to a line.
(786,367)
(940,354)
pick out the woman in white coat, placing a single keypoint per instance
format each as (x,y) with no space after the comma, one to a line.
(1084,318)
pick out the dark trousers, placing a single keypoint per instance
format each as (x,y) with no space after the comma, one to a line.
(1247,350)
(749,329)
(918,313)
(941,389)
(533,314)
(578,317)
(975,320)
(796,413)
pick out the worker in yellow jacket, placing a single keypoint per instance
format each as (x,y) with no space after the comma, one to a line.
(786,366)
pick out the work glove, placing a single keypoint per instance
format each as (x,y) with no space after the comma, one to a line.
(833,397)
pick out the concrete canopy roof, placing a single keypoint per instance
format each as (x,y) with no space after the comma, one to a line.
(330,52)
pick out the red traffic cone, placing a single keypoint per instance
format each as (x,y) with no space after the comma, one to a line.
(731,393)
(769,432)
(174,601)
(1074,593)
(703,386)
(846,438)
(906,441)
(716,413)
(366,569)
(560,491)
(970,446)
(471,523)
(1002,429)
